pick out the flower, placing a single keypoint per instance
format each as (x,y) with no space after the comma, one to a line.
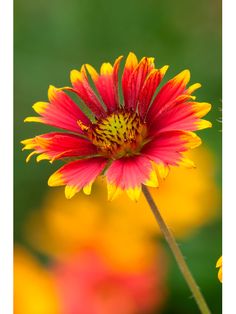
(100,267)
(97,268)
(128,141)
(34,286)
(219,265)
(53,230)
(86,284)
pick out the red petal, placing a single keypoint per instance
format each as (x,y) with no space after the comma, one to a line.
(168,93)
(56,145)
(184,116)
(130,65)
(107,83)
(149,87)
(129,174)
(136,81)
(78,174)
(167,147)
(61,112)
(82,88)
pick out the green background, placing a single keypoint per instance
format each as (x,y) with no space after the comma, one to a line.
(53,37)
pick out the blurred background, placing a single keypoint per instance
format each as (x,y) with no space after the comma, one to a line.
(85,255)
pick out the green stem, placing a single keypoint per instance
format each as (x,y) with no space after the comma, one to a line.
(177,254)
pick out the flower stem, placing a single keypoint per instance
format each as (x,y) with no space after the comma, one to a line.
(177,254)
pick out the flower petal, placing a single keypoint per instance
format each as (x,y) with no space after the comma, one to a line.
(168,93)
(128,174)
(130,64)
(107,83)
(82,88)
(219,265)
(219,262)
(149,87)
(61,112)
(77,175)
(183,116)
(52,146)
(162,169)
(220,275)
(167,148)
(136,81)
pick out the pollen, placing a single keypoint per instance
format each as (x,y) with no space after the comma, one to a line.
(120,134)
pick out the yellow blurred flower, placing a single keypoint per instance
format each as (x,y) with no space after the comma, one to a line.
(219,265)
(187,200)
(63,227)
(34,289)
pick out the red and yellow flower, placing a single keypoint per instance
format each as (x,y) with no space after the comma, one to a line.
(129,140)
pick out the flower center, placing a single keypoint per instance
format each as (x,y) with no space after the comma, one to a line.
(119,134)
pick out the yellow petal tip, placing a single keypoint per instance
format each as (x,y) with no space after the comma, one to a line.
(134,193)
(70,191)
(55,179)
(92,71)
(152,180)
(87,188)
(113,191)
